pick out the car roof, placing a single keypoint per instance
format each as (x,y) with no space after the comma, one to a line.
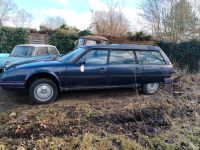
(36,45)
(124,46)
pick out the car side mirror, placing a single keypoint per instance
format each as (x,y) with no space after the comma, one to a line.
(81,62)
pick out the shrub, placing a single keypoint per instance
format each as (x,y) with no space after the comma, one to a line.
(139,36)
(64,40)
(186,54)
(10,37)
(84,33)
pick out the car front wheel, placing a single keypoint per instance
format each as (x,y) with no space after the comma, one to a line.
(43,91)
(151,88)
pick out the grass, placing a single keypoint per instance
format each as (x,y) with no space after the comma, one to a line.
(113,119)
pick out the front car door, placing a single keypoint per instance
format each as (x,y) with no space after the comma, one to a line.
(92,74)
(123,68)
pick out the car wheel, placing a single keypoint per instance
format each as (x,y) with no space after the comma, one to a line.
(43,91)
(151,88)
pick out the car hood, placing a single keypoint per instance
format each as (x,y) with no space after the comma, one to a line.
(36,64)
(4,55)
(19,60)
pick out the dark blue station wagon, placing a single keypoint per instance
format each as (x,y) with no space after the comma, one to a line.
(91,67)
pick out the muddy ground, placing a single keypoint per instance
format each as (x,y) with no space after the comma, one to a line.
(105,119)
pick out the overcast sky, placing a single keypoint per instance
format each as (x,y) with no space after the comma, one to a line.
(76,12)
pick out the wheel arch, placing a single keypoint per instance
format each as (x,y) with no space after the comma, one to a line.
(31,78)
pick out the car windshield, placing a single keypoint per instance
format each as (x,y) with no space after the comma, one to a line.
(72,55)
(22,51)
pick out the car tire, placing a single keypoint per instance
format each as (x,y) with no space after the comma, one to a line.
(151,88)
(43,91)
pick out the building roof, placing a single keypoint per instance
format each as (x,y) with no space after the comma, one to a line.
(125,46)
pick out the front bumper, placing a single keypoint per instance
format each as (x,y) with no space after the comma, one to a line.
(11,85)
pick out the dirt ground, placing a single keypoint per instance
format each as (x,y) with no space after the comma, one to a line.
(105,119)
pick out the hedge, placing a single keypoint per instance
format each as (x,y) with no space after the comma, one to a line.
(63,42)
(186,54)
(10,37)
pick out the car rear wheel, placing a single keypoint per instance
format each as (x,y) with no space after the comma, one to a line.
(43,91)
(151,88)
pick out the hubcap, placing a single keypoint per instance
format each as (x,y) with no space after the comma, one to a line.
(152,87)
(43,92)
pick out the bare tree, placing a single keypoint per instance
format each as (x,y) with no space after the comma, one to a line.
(22,18)
(53,22)
(173,20)
(152,14)
(7,7)
(111,22)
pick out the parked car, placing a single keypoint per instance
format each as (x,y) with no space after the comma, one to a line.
(28,52)
(91,41)
(91,67)
(3,55)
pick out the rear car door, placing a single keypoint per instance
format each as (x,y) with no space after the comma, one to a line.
(154,66)
(123,68)
(92,74)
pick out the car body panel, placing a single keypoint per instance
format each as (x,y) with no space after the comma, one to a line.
(120,75)
(93,76)
(71,77)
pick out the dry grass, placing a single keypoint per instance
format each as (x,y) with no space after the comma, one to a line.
(106,119)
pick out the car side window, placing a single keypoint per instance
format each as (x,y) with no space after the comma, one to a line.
(43,51)
(96,57)
(52,51)
(118,57)
(150,58)
(35,52)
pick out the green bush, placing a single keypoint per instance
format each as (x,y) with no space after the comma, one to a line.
(186,54)
(63,40)
(10,37)
(84,33)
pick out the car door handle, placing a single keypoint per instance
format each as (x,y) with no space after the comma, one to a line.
(103,70)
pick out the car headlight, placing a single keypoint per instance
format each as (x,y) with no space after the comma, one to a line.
(7,64)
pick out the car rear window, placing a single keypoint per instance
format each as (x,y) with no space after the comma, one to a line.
(150,58)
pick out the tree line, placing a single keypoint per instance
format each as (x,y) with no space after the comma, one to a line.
(169,20)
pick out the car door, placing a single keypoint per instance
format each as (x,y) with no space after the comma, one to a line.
(154,66)
(93,73)
(123,68)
